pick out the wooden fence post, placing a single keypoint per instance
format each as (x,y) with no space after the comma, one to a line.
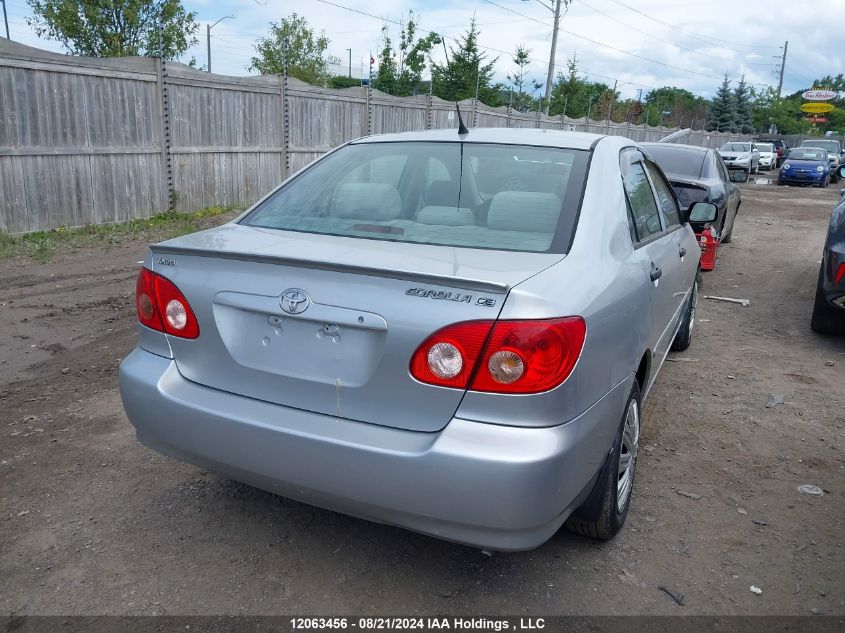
(283,95)
(164,104)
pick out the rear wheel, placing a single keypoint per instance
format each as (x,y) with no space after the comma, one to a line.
(826,319)
(684,336)
(604,513)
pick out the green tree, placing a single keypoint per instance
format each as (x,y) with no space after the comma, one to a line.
(292,40)
(744,114)
(400,71)
(676,107)
(467,65)
(115,28)
(723,108)
(577,96)
(523,100)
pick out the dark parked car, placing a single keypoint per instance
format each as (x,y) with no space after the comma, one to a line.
(698,174)
(829,308)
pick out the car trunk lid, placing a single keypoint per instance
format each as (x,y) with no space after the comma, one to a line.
(329,324)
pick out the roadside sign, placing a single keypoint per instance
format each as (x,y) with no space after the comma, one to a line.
(816,108)
(819,95)
(817,119)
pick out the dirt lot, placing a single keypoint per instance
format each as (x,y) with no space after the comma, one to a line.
(92,522)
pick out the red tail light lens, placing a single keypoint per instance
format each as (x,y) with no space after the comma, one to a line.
(530,356)
(840,273)
(162,307)
(448,356)
(526,356)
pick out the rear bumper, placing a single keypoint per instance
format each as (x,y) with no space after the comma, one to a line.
(491,486)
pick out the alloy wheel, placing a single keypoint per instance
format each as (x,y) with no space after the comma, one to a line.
(628,456)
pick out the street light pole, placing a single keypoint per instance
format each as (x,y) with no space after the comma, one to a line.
(208,28)
(349,50)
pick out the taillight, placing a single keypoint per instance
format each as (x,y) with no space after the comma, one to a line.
(525,356)
(162,307)
(530,356)
(448,356)
(840,273)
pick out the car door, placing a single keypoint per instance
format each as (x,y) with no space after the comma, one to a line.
(679,275)
(655,249)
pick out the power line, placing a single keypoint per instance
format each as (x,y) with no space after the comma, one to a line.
(487,48)
(659,39)
(608,46)
(705,38)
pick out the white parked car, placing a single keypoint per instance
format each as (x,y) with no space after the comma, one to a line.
(768,155)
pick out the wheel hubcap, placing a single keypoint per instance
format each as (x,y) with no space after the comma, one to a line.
(628,456)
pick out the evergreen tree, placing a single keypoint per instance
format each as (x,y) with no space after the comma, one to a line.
(744,120)
(578,96)
(467,64)
(522,99)
(723,108)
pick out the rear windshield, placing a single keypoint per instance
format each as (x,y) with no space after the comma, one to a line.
(830,146)
(504,197)
(807,153)
(735,147)
(677,160)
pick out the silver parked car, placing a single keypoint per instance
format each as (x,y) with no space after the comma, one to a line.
(449,334)
(742,156)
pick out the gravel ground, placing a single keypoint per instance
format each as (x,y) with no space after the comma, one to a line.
(92,522)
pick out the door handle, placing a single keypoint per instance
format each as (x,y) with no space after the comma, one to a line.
(656,273)
(682,252)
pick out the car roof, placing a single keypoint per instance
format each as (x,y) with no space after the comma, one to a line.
(507,136)
(690,148)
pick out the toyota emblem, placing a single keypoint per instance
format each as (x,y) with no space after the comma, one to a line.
(295,301)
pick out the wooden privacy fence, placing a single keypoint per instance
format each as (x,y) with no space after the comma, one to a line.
(92,141)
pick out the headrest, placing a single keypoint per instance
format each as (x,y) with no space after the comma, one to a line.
(526,211)
(445,216)
(441,193)
(368,201)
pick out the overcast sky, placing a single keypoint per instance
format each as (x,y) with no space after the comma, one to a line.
(684,43)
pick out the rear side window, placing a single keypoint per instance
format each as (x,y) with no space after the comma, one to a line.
(664,196)
(641,199)
(502,197)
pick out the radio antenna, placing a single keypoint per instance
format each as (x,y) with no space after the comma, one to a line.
(462,129)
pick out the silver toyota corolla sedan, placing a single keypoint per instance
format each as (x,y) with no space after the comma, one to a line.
(449,334)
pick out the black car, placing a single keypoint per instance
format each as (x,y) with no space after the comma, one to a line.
(829,307)
(698,174)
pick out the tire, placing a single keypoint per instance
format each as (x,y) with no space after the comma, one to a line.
(834,176)
(604,512)
(826,319)
(684,336)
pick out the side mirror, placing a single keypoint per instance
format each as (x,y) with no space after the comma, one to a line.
(738,176)
(703,212)
(842,171)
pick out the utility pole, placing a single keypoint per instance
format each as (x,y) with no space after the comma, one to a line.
(551,74)
(208,28)
(5,19)
(610,107)
(349,50)
(782,68)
